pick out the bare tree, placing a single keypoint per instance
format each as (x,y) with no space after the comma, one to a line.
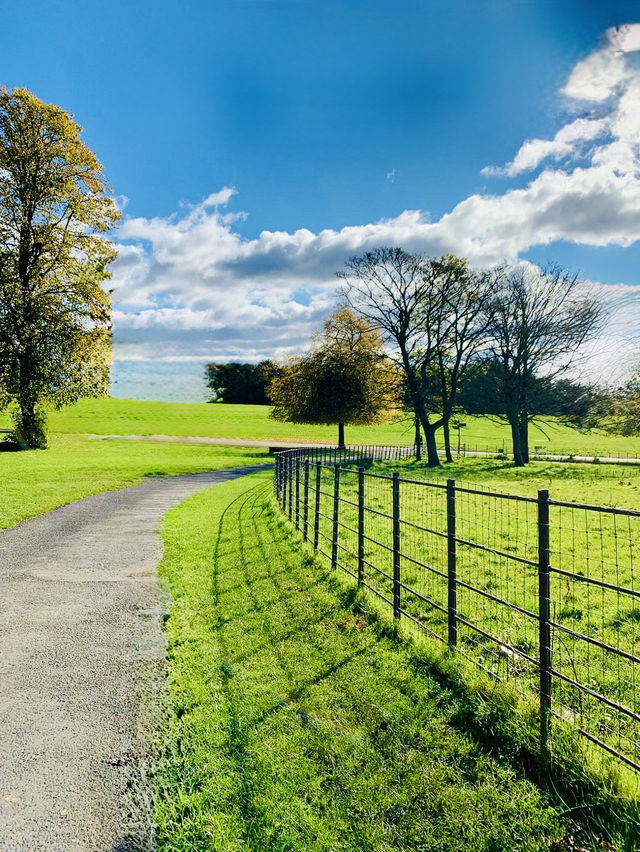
(395,291)
(466,298)
(538,320)
(434,312)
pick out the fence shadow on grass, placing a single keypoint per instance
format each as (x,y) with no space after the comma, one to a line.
(290,636)
(536,591)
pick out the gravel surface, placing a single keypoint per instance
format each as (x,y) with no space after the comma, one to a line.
(82,668)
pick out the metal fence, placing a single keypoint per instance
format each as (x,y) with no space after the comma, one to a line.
(547,452)
(537,591)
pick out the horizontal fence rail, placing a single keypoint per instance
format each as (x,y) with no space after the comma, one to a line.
(546,452)
(533,590)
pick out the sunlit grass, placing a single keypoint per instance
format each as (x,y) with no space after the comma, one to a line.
(75,466)
(298,722)
(498,578)
(136,417)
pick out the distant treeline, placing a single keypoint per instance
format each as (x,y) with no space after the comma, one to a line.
(572,402)
(240,384)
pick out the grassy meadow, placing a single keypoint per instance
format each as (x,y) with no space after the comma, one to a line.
(498,577)
(78,464)
(111,416)
(75,466)
(300,723)
(299,720)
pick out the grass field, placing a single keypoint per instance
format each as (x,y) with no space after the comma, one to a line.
(75,466)
(299,723)
(113,416)
(371,761)
(498,577)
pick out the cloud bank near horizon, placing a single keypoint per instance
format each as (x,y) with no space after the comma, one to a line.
(189,287)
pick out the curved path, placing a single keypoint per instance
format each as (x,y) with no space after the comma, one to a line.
(81,650)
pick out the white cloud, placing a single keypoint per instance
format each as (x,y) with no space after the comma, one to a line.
(599,75)
(564,144)
(190,286)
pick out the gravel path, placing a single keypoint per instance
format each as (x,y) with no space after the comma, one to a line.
(81,654)
(284,445)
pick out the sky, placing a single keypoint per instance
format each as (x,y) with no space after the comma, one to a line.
(255,145)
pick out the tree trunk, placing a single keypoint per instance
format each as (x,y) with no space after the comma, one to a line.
(28,421)
(432,450)
(421,413)
(418,440)
(524,437)
(341,436)
(29,426)
(518,458)
(447,440)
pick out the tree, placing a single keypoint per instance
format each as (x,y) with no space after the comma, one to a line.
(345,378)
(238,383)
(465,298)
(618,410)
(570,401)
(433,312)
(538,321)
(388,287)
(55,337)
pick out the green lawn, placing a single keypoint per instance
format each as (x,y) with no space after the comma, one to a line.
(604,484)
(113,416)
(503,568)
(75,466)
(299,723)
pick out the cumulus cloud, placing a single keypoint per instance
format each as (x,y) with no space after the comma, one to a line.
(565,143)
(190,286)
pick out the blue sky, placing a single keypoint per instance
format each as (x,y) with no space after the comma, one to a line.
(256,144)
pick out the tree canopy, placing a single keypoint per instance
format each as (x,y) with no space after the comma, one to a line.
(240,383)
(55,333)
(345,378)
(617,410)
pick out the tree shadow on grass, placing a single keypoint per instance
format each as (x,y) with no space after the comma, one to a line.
(299,600)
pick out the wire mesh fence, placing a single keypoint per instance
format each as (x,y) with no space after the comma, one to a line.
(535,591)
(548,452)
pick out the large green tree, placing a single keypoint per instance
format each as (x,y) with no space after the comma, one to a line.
(239,383)
(55,336)
(618,410)
(346,378)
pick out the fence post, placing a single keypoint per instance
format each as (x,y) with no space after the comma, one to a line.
(452,589)
(396,544)
(297,493)
(544,614)
(336,504)
(305,504)
(283,483)
(316,510)
(360,525)
(290,478)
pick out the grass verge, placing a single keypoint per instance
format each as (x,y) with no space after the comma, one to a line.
(300,724)
(74,466)
(113,416)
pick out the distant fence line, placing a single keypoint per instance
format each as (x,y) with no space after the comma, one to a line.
(534,590)
(543,451)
